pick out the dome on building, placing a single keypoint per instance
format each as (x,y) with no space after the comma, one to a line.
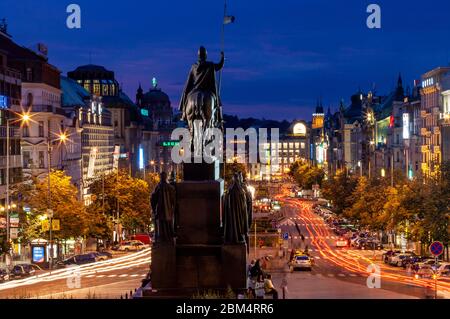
(156,96)
(91,67)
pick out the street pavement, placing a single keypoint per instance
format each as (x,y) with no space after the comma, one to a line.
(112,278)
(341,272)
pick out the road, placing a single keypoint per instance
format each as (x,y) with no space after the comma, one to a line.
(343,272)
(111,278)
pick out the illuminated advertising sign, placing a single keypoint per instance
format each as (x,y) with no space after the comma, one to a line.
(405,125)
(3,102)
(91,166)
(170,143)
(38,254)
(144,112)
(141,158)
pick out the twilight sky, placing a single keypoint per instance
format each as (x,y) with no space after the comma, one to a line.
(281,55)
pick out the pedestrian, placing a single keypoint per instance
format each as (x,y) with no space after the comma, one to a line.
(259,287)
(269,288)
(256,270)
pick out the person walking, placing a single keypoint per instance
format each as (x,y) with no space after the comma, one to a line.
(269,288)
(259,287)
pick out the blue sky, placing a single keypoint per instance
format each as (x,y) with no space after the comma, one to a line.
(281,55)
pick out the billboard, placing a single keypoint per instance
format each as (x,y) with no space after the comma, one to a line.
(406,125)
(92,158)
(38,254)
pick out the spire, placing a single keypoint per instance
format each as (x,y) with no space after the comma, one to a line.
(399,81)
(139,90)
(319,107)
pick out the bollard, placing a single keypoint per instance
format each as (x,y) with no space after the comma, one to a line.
(131,293)
(126,295)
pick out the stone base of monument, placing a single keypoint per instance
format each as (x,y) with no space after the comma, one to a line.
(198,261)
(189,270)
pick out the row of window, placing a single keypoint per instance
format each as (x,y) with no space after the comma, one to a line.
(14,147)
(10,89)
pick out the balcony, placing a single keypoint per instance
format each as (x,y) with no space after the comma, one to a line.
(423,113)
(424,131)
(436,130)
(436,149)
(425,148)
(48,109)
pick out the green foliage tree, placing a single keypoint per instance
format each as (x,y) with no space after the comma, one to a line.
(339,189)
(306,175)
(124,194)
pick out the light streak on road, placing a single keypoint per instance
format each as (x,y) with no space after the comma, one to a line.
(346,259)
(132,260)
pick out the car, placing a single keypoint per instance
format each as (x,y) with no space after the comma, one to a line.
(108,255)
(22,271)
(144,238)
(99,256)
(428,261)
(370,244)
(131,245)
(411,260)
(444,270)
(424,271)
(388,254)
(78,260)
(396,260)
(341,242)
(300,262)
(4,275)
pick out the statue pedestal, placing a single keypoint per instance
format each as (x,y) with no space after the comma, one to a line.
(198,260)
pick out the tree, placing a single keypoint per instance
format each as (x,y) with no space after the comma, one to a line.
(339,189)
(74,220)
(368,203)
(125,196)
(306,175)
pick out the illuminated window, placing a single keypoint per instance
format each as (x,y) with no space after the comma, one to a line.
(104,89)
(87,85)
(297,145)
(291,145)
(112,90)
(302,145)
(285,145)
(96,87)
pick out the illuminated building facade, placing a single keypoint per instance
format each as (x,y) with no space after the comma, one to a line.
(157,115)
(95,133)
(125,115)
(10,97)
(432,111)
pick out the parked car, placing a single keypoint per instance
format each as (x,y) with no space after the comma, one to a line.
(428,261)
(108,255)
(396,259)
(78,260)
(444,270)
(144,238)
(22,271)
(370,244)
(411,260)
(131,245)
(99,256)
(387,255)
(4,275)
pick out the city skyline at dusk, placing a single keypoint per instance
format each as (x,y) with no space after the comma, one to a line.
(279,59)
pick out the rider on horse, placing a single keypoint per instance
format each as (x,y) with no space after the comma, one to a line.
(202,77)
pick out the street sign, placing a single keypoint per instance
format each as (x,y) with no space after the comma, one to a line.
(436,248)
(286,236)
(55,225)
